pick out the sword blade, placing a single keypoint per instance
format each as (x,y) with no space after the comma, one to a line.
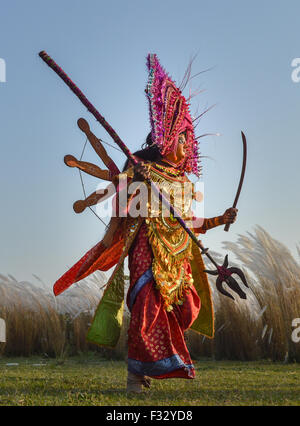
(227,226)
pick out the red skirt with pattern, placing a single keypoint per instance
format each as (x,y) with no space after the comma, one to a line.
(156,343)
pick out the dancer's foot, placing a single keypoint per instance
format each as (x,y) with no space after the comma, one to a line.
(135,383)
(146,382)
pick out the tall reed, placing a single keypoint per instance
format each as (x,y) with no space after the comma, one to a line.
(39,323)
(259,327)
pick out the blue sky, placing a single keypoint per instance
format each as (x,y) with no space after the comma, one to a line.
(103,46)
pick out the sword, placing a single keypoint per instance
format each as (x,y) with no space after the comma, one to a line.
(227,226)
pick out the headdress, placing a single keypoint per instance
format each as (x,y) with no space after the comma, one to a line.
(169,115)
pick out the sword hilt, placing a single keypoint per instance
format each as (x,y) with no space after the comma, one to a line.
(227,226)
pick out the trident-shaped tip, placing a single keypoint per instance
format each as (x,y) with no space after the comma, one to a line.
(224,275)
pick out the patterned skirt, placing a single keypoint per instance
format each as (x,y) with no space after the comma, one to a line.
(156,344)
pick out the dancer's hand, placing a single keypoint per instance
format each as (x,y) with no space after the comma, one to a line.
(142,171)
(108,239)
(230,215)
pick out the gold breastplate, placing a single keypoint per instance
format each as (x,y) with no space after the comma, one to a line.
(171,245)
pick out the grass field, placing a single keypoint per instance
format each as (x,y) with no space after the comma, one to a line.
(92,381)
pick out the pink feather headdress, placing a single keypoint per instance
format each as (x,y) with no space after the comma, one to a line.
(170,116)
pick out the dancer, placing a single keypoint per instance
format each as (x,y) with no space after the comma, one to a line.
(169,291)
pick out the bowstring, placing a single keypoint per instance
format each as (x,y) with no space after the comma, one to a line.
(82,182)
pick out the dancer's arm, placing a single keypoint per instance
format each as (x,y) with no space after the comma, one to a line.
(86,167)
(98,147)
(94,198)
(228,217)
(112,228)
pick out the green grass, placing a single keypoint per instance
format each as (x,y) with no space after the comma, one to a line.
(92,381)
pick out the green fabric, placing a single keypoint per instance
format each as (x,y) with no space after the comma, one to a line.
(204,323)
(106,327)
(107,322)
